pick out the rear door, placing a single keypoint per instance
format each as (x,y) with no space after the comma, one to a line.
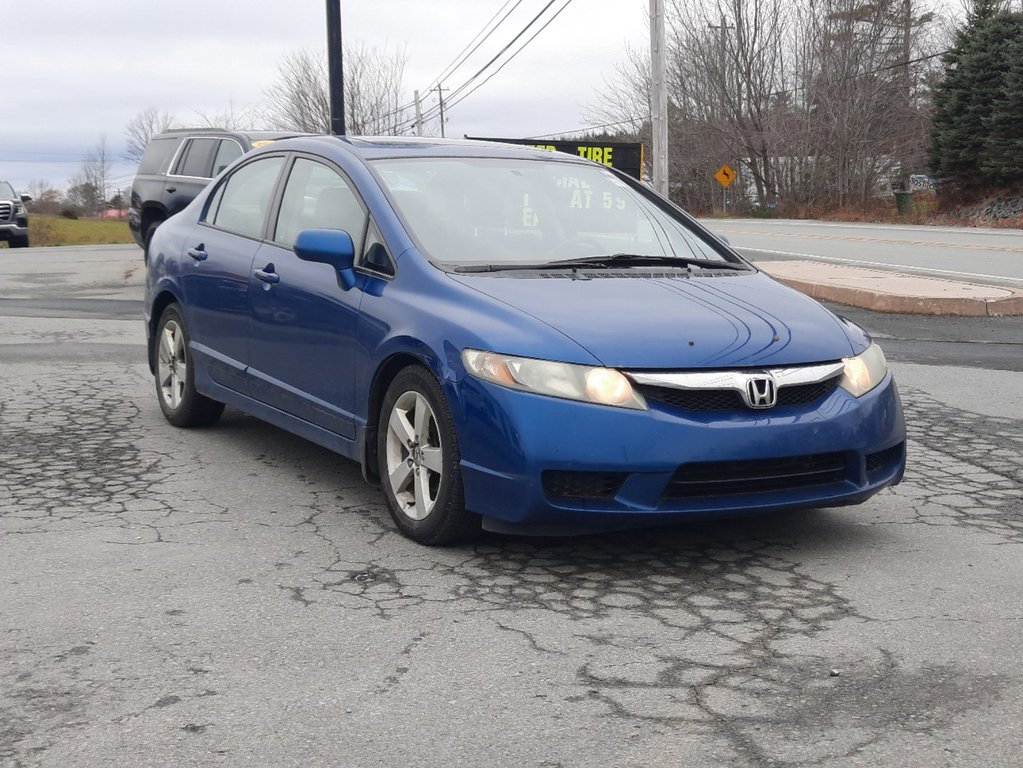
(219,267)
(199,160)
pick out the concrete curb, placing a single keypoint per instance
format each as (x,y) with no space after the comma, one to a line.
(896,293)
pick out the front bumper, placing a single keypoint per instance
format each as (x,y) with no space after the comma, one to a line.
(11,230)
(535,461)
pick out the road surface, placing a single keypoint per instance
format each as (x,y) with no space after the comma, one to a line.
(236,596)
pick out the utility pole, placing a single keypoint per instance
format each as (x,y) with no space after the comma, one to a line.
(419,116)
(723,28)
(440,95)
(907,52)
(659,97)
(335,68)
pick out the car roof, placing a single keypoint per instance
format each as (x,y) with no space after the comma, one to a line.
(251,135)
(377,147)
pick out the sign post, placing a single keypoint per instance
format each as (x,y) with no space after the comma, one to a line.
(725,176)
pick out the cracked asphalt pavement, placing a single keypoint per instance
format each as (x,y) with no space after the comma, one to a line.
(237,596)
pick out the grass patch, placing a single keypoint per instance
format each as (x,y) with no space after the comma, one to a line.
(56,230)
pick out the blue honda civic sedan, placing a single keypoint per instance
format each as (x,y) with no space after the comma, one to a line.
(510,338)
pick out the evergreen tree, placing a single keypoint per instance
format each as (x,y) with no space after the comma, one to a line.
(973,99)
(1003,150)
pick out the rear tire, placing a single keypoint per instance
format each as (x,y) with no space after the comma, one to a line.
(181,404)
(420,471)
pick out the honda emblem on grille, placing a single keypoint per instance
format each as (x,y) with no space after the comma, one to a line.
(761,392)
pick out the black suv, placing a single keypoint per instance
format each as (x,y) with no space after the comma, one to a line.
(13,216)
(177,165)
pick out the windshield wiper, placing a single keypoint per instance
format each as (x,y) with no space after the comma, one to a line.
(603,262)
(645,260)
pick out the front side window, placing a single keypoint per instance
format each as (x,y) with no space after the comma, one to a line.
(318,197)
(502,211)
(241,202)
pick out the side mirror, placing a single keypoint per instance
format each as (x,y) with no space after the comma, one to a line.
(329,246)
(26,198)
(724,239)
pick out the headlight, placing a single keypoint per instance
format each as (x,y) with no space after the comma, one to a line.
(605,386)
(864,372)
(19,209)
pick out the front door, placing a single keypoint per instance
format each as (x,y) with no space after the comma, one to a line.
(304,326)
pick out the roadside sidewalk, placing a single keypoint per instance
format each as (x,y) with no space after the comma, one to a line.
(896,292)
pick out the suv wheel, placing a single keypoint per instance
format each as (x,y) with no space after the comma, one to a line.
(19,242)
(150,231)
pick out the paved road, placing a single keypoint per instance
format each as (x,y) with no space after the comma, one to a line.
(237,596)
(974,255)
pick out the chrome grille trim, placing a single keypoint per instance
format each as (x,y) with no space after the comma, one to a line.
(6,209)
(737,380)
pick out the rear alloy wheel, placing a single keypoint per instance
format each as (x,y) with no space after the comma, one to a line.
(421,476)
(181,404)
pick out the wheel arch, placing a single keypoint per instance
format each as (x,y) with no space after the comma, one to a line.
(164,299)
(150,213)
(385,374)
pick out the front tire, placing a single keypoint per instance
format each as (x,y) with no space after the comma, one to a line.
(181,404)
(19,242)
(420,462)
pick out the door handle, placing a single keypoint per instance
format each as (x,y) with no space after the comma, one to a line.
(199,252)
(172,189)
(267,275)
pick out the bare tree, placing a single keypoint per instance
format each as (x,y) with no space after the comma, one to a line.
(89,188)
(142,128)
(45,197)
(298,99)
(231,118)
(813,102)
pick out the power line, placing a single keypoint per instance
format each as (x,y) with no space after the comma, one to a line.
(512,56)
(460,58)
(457,94)
(432,111)
(590,128)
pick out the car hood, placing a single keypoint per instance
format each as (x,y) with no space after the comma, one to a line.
(628,319)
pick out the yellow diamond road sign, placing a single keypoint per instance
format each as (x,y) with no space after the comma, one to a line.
(725,175)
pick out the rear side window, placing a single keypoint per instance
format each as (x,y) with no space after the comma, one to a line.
(240,203)
(196,158)
(157,155)
(229,151)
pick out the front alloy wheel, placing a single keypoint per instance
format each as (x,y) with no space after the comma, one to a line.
(420,470)
(415,458)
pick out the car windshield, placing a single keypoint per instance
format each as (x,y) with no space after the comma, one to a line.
(6,191)
(499,211)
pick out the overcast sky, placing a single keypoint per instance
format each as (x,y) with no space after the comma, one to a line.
(77,71)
